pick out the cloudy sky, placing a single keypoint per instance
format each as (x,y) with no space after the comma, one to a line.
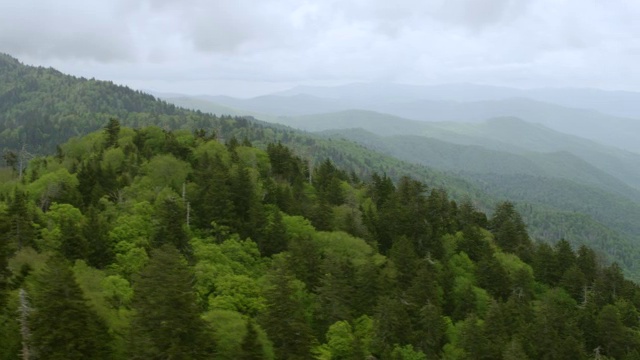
(251,47)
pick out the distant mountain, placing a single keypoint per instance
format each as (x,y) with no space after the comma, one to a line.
(617,103)
(404,101)
(42,107)
(281,105)
(511,135)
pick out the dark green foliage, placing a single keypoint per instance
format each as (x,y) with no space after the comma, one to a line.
(291,334)
(428,279)
(112,130)
(95,231)
(251,347)
(274,239)
(21,230)
(5,226)
(393,325)
(509,231)
(63,326)
(213,199)
(170,229)
(166,322)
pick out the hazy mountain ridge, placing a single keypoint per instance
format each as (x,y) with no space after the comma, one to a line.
(617,103)
(33,91)
(560,109)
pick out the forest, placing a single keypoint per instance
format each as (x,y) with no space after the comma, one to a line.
(148,243)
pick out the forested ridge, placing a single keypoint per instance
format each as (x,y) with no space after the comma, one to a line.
(41,108)
(225,237)
(147,243)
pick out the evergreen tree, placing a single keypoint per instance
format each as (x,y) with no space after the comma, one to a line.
(251,347)
(63,326)
(95,230)
(5,226)
(170,228)
(274,239)
(285,319)
(112,130)
(166,323)
(21,231)
(510,232)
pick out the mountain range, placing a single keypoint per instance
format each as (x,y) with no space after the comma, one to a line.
(565,186)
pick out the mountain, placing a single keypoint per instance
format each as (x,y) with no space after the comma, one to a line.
(149,244)
(41,108)
(435,105)
(618,103)
(511,135)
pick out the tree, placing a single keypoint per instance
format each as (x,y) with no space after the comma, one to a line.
(509,231)
(251,347)
(170,229)
(286,319)
(274,239)
(166,322)
(63,325)
(112,130)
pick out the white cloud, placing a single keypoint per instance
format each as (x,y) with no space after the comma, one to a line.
(199,46)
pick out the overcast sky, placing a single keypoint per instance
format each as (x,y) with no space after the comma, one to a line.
(251,47)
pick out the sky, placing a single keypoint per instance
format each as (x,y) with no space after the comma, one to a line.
(252,47)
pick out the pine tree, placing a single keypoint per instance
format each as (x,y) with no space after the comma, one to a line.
(251,347)
(112,130)
(63,326)
(166,323)
(274,239)
(170,229)
(285,320)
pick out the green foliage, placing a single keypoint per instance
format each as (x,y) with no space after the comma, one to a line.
(183,242)
(166,321)
(63,325)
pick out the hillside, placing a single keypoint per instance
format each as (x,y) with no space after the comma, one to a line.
(612,130)
(41,107)
(144,243)
(356,159)
(510,135)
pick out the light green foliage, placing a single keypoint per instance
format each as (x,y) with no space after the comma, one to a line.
(254,158)
(113,158)
(116,290)
(512,264)
(226,273)
(129,259)
(347,341)
(79,147)
(51,185)
(298,227)
(230,328)
(63,221)
(339,344)
(130,233)
(341,245)
(109,296)
(213,149)
(462,266)
(237,292)
(166,170)
(407,352)
(28,257)
(450,243)
(133,227)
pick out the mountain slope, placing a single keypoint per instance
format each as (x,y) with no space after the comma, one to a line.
(510,135)
(42,107)
(616,103)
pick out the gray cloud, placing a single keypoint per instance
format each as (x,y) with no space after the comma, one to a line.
(188,44)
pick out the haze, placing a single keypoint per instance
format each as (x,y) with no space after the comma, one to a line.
(247,48)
